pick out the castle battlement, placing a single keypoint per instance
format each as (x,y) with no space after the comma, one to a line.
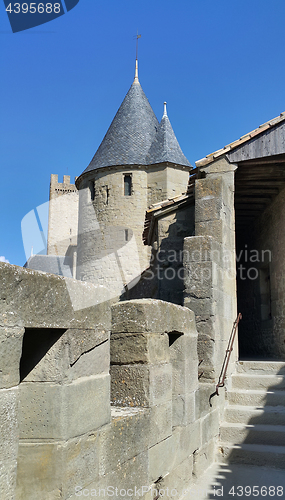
(59,188)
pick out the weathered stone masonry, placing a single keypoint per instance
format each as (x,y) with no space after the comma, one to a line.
(63,428)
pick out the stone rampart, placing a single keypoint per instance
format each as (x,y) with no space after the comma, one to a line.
(64,433)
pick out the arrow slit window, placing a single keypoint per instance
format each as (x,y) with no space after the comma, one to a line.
(127,185)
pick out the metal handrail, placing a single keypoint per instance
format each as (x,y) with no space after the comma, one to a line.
(225,365)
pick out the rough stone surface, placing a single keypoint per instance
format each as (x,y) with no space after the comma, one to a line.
(39,300)
(154,316)
(51,411)
(53,470)
(169,453)
(10,353)
(141,385)
(177,481)
(184,360)
(204,457)
(45,481)
(129,348)
(131,476)
(77,353)
(8,472)
(183,409)
(9,431)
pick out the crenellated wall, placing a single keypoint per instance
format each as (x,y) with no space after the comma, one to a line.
(64,432)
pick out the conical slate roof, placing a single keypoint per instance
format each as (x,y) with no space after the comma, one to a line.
(130,134)
(165,147)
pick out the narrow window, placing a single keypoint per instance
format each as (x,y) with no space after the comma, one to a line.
(126,235)
(92,190)
(127,184)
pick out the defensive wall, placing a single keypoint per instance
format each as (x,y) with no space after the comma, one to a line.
(95,395)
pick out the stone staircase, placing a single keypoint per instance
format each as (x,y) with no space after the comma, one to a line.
(254,428)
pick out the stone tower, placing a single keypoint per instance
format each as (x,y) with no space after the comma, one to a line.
(138,163)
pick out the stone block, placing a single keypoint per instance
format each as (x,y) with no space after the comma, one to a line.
(210,426)
(201,249)
(53,470)
(175,484)
(94,362)
(207,373)
(203,458)
(130,348)
(203,308)
(207,327)
(10,354)
(184,377)
(220,166)
(141,385)
(9,430)
(75,354)
(206,349)
(8,475)
(132,430)
(80,462)
(208,208)
(170,453)
(39,472)
(151,316)
(124,438)
(81,341)
(50,411)
(200,279)
(161,459)
(184,360)
(209,188)
(183,409)
(160,423)
(214,228)
(187,439)
(33,299)
(131,476)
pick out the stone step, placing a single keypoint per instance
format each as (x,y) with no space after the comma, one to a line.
(252,454)
(272,435)
(256,398)
(261,367)
(269,415)
(258,382)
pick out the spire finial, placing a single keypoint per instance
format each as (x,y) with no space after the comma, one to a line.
(164,110)
(136,80)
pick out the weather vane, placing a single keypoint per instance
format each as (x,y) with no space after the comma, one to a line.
(137,43)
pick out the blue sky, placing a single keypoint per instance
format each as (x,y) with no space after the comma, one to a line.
(219,65)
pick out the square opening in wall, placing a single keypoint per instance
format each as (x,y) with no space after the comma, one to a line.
(36,343)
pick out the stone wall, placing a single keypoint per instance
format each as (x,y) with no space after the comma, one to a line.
(166,181)
(168,263)
(210,267)
(63,434)
(53,358)
(164,279)
(110,247)
(63,217)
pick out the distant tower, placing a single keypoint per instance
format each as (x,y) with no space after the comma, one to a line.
(139,162)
